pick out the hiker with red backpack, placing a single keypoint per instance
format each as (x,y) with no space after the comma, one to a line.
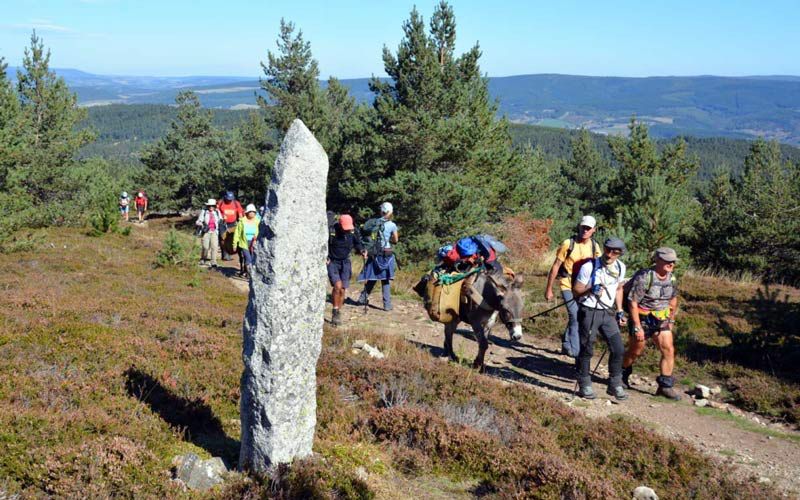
(231,211)
(576,249)
(598,289)
(653,303)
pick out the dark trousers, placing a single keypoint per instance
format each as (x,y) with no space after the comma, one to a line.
(590,322)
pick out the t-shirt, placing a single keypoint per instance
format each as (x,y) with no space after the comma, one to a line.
(123,202)
(341,243)
(141,201)
(231,210)
(251,228)
(579,252)
(610,277)
(389,227)
(658,296)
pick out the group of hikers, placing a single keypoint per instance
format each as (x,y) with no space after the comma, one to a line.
(600,300)
(592,280)
(224,225)
(139,201)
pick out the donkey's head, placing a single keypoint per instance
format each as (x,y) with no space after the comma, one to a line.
(511,305)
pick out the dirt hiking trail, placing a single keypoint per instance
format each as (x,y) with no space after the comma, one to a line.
(768,451)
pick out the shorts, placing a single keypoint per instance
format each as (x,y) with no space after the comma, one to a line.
(650,324)
(339,270)
(124,210)
(139,210)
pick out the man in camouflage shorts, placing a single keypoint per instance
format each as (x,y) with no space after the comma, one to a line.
(653,303)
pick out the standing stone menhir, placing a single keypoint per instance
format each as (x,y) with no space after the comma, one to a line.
(284,318)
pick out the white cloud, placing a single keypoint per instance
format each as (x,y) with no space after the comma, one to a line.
(41,25)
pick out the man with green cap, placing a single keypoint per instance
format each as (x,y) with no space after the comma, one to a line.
(653,303)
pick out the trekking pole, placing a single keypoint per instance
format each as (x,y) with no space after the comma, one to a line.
(551,309)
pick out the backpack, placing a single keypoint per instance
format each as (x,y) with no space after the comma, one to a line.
(594,261)
(626,288)
(372,236)
(562,271)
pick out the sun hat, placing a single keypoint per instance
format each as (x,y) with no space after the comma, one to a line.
(250,208)
(588,220)
(666,254)
(346,222)
(141,194)
(615,244)
(386,208)
(211,201)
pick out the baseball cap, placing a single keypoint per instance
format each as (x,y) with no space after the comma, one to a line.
(386,207)
(229,196)
(666,254)
(346,222)
(615,244)
(250,208)
(588,221)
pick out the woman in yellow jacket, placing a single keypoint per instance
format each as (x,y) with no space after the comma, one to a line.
(244,236)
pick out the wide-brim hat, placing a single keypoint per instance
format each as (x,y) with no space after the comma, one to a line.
(211,201)
(250,208)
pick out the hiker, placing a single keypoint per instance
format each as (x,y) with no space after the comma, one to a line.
(381,264)
(598,289)
(231,211)
(244,236)
(124,206)
(653,303)
(209,223)
(141,206)
(575,249)
(343,240)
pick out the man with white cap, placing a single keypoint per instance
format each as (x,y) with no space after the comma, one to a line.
(381,264)
(578,249)
(653,304)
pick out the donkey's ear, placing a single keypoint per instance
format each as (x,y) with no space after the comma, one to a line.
(518,280)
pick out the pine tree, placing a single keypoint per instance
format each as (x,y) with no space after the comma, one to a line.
(190,163)
(292,83)
(586,178)
(49,139)
(651,194)
(9,125)
(435,121)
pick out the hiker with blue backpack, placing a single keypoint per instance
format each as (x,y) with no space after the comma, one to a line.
(576,249)
(653,302)
(598,289)
(379,234)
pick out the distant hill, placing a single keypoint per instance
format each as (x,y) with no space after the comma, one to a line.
(700,106)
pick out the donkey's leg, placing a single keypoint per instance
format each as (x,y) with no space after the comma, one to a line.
(449,330)
(483,345)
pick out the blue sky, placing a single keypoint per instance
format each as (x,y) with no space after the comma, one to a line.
(619,38)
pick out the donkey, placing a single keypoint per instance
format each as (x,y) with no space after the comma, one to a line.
(499,296)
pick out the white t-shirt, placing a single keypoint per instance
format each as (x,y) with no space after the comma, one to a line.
(608,278)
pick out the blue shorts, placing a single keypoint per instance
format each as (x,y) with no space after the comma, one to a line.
(124,210)
(339,270)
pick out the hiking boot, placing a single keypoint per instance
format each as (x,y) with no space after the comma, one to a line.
(618,392)
(666,389)
(626,375)
(586,392)
(668,392)
(362,299)
(336,318)
(387,307)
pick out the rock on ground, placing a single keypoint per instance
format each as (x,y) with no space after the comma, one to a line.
(199,474)
(644,493)
(283,323)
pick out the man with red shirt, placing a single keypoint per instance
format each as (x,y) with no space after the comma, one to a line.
(141,206)
(231,211)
